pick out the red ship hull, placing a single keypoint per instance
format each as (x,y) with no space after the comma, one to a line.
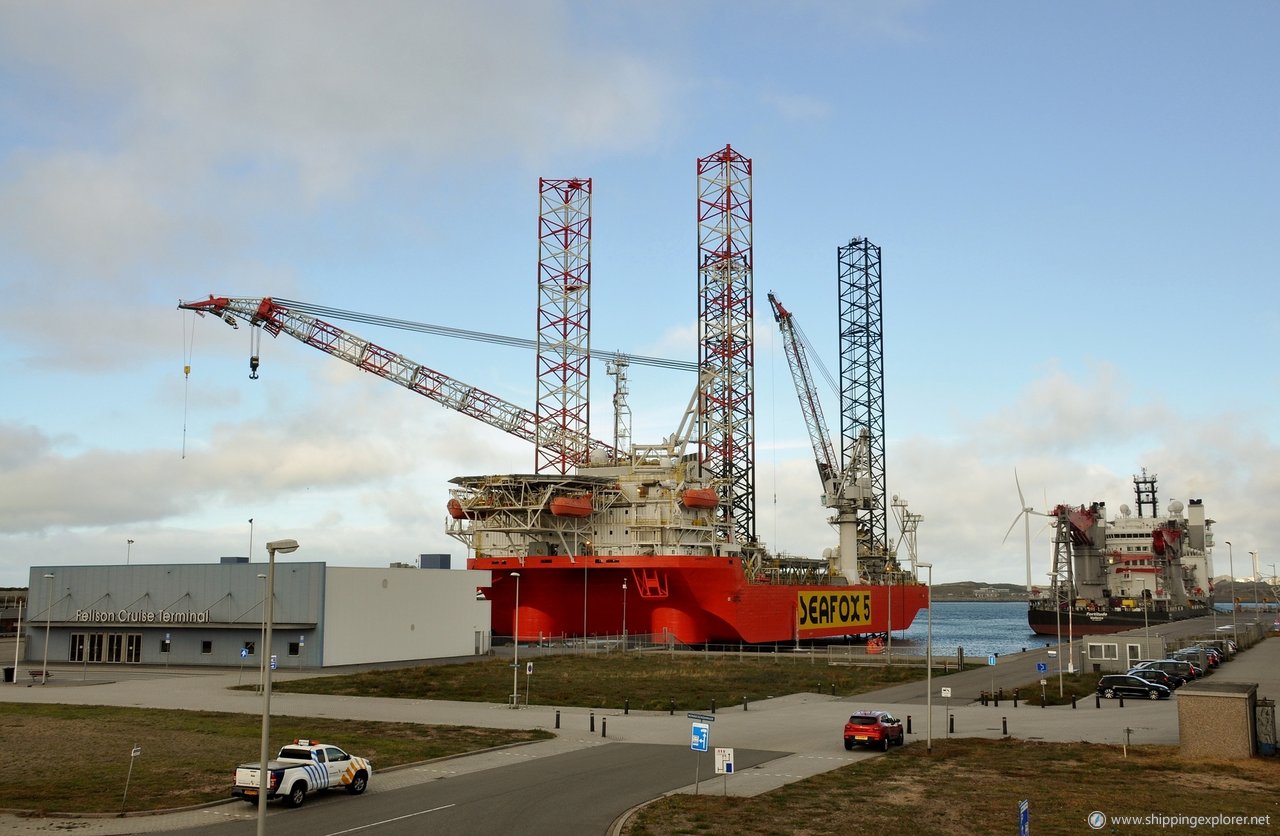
(692,599)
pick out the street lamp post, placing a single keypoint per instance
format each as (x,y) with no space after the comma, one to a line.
(1231,564)
(48,614)
(928,667)
(624,615)
(1256,572)
(1057,606)
(515,642)
(264,778)
(128,551)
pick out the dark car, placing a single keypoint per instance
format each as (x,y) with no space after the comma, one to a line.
(873,728)
(1173,667)
(1125,685)
(1158,677)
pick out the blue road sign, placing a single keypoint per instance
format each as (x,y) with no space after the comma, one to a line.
(991,659)
(701,736)
(244,652)
(1041,667)
(1024,818)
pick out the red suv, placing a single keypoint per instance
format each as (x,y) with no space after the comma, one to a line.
(873,728)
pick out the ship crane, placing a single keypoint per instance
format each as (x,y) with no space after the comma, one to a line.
(847,491)
(275,319)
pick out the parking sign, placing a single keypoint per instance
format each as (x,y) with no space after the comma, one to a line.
(701,737)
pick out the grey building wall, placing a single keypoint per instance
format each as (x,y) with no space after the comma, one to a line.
(212,614)
(397,614)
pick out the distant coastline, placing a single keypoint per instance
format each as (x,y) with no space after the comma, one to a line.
(975,592)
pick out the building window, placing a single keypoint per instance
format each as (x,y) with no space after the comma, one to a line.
(1103,651)
(206,647)
(164,645)
(294,648)
(251,647)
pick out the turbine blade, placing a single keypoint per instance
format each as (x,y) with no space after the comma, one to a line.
(1022,503)
(1011,525)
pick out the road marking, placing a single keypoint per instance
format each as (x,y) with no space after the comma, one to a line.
(389,821)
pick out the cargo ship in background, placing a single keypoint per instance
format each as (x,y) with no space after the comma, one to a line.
(1126,572)
(658,540)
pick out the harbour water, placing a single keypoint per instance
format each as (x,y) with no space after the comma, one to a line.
(979,627)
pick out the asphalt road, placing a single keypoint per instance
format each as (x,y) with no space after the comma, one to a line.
(577,792)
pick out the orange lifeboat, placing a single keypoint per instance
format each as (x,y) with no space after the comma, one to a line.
(456,510)
(571,506)
(699,498)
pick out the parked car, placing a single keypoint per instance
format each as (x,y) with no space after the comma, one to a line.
(1173,667)
(1192,655)
(1158,677)
(873,728)
(1123,685)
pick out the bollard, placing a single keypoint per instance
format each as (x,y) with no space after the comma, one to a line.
(557,718)
(1073,700)
(604,721)
(1015,699)
(985,701)
(626,706)
(1097,701)
(951,724)
(1122,702)
(593,721)
(713,705)
(995,699)
(1000,694)
(908,724)
(673,706)
(744,703)
(1004,726)
(833,689)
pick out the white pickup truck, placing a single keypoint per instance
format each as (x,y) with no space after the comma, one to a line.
(301,767)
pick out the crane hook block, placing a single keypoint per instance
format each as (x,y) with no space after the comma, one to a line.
(253,367)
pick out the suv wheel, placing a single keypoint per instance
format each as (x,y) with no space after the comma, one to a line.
(1109,693)
(1155,695)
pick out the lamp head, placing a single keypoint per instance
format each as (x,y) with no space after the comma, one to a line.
(48,576)
(514,575)
(282,546)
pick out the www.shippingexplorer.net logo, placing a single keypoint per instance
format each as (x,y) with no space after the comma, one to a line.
(1097,820)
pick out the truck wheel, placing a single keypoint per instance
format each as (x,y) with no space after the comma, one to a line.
(848,745)
(359,783)
(297,794)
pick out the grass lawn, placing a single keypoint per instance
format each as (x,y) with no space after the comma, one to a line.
(75,759)
(972,786)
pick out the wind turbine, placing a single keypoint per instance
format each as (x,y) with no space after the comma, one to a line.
(1025,514)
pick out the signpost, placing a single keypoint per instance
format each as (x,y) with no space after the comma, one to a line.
(1024,818)
(724,765)
(946,692)
(137,750)
(528,672)
(698,743)
(1041,667)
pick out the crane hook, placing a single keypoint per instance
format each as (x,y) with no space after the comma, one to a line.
(253,367)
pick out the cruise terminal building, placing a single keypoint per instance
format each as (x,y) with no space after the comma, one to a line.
(212,614)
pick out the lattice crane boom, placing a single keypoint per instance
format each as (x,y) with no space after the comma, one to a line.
(275,319)
(810,407)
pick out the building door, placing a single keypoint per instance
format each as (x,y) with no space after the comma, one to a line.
(133,648)
(115,647)
(95,647)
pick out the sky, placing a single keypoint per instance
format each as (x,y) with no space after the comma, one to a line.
(1077,206)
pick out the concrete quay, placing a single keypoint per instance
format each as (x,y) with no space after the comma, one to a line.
(808,726)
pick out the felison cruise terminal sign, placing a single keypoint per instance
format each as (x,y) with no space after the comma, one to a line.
(146,617)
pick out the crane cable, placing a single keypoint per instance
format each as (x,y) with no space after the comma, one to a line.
(188,349)
(445,331)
